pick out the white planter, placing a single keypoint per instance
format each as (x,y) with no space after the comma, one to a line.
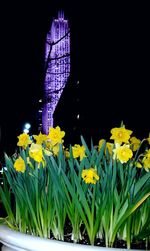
(16,241)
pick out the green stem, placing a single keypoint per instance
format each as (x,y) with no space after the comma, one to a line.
(138,151)
(128,232)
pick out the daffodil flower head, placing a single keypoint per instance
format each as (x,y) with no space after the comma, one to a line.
(122,153)
(35,152)
(40,138)
(67,153)
(146,160)
(148,139)
(24,140)
(135,143)
(120,135)
(55,135)
(19,165)
(138,164)
(109,146)
(56,149)
(78,151)
(90,176)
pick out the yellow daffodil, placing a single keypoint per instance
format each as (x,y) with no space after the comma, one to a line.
(148,139)
(78,151)
(48,144)
(120,135)
(55,135)
(146,160)
(35,152)
(90,176)
(109,146)
(100,144)
(135,143)
(24,140)
(19,165)
(122,153)
(47,152)
(67,153)
(29,162)
(148,153)
(138,164)
(40,138)
(55,149)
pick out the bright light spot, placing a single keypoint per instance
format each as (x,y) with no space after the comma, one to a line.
(27,126)
(40,100)
(78,116)
(26,130)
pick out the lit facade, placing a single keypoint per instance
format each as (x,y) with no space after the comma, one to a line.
(57,59)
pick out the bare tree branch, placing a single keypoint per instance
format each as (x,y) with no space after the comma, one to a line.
(54,43)
(63,56)
(46,65)
(50,59)
(56,91)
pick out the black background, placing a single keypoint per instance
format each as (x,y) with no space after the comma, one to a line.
(110,58)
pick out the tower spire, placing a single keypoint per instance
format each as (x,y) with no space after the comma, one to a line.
(57,59)
(60,14)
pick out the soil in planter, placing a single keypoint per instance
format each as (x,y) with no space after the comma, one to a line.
(101,243)
(117,243)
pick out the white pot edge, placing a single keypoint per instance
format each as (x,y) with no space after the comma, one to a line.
(16,241)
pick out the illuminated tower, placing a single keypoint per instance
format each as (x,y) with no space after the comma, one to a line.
(57,62)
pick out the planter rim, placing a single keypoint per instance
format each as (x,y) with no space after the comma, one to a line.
(21,241)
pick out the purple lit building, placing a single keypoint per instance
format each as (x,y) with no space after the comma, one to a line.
(57,62)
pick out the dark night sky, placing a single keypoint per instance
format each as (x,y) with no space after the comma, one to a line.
(110,57)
